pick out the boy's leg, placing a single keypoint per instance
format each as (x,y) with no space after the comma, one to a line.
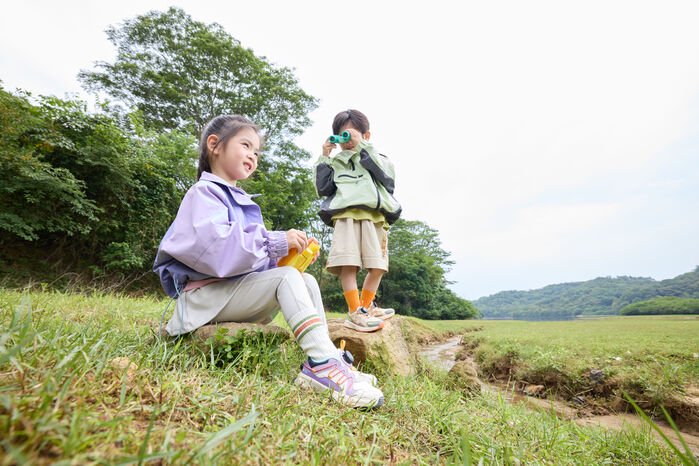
(375,260)
(371,284)
(344,260)
(348,280)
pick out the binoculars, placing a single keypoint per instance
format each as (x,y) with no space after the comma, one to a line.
(340,138)
(301,260)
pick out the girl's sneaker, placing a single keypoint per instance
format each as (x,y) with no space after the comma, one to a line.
(337,377)
(361,321)
(383,313)
(349,359)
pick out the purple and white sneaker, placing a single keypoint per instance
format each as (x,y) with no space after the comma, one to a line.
(345,386)
(363,376)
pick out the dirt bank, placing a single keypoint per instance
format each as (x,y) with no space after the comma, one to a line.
(444,355)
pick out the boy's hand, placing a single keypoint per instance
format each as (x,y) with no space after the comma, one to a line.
(328,147)
(355,138)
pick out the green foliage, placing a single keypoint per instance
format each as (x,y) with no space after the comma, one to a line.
(604,295)
(285,187)
(37,197)
(416,284)
(181,73)
(85,189)
(248,350)
(666,305)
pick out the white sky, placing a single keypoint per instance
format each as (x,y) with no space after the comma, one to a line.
(546,141)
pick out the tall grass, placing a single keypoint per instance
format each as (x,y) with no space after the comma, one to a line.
(84,379)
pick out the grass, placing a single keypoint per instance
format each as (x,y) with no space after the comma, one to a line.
(85,380)
(653,358)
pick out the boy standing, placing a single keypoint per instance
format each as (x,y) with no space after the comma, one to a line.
(357,185)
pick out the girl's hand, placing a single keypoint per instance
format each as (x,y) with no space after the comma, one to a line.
(328,147)
(296,240)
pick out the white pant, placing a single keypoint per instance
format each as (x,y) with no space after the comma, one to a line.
(257,297)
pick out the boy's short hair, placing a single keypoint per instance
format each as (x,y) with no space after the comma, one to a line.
(357,118)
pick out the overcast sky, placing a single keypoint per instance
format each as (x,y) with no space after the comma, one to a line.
(546,141)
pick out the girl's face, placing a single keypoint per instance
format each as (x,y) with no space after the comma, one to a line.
(349,145)
(237,159)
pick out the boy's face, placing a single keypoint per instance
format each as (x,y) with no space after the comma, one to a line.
(356,136)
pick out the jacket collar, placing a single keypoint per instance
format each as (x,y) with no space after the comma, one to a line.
(345,155)
(208,176)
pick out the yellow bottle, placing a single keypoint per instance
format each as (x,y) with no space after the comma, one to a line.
(300,261)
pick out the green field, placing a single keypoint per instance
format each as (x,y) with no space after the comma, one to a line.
(655,358)
(64,400)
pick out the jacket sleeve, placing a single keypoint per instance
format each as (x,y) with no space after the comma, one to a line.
(204,239)
(324,177)
(378,165)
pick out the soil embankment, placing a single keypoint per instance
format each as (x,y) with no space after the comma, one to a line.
(444,354)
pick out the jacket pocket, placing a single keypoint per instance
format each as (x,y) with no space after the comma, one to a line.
(355,191)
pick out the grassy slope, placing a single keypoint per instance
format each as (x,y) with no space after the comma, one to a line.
(653,358)
(62,399)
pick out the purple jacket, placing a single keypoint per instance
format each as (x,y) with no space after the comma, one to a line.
(218,233)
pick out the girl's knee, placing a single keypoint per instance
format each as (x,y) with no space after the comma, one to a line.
(309,279)
(290,274)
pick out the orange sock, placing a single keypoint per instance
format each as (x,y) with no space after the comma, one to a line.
(368,297)
(352,298)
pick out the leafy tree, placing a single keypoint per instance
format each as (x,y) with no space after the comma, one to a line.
(179,73)
(83,190)
(285,188)
(37,197)
(662,305)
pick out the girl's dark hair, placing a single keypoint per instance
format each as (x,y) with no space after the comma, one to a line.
(357,118)
(225,127)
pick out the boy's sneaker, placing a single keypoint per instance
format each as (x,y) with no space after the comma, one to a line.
(361,321)
(383,313)
(337,377)
(363,376)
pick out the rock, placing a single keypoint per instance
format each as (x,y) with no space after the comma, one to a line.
(233,329)
(464,377)
(534,390)
(386,348)
(124,364)
(596,375)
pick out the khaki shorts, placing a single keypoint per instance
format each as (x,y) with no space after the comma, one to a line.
(358,243)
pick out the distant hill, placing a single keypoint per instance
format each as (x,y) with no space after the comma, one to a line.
(603,295)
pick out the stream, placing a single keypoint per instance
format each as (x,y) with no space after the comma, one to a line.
(443,354)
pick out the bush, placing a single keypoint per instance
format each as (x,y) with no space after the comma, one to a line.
(665,305)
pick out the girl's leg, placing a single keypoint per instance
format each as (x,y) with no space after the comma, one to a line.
(256,297)
(314,293)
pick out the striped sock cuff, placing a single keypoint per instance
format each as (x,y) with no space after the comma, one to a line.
(306,325)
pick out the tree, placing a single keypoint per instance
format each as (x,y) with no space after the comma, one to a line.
(37,197)
(80,189)
(416,284)
(179,73)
